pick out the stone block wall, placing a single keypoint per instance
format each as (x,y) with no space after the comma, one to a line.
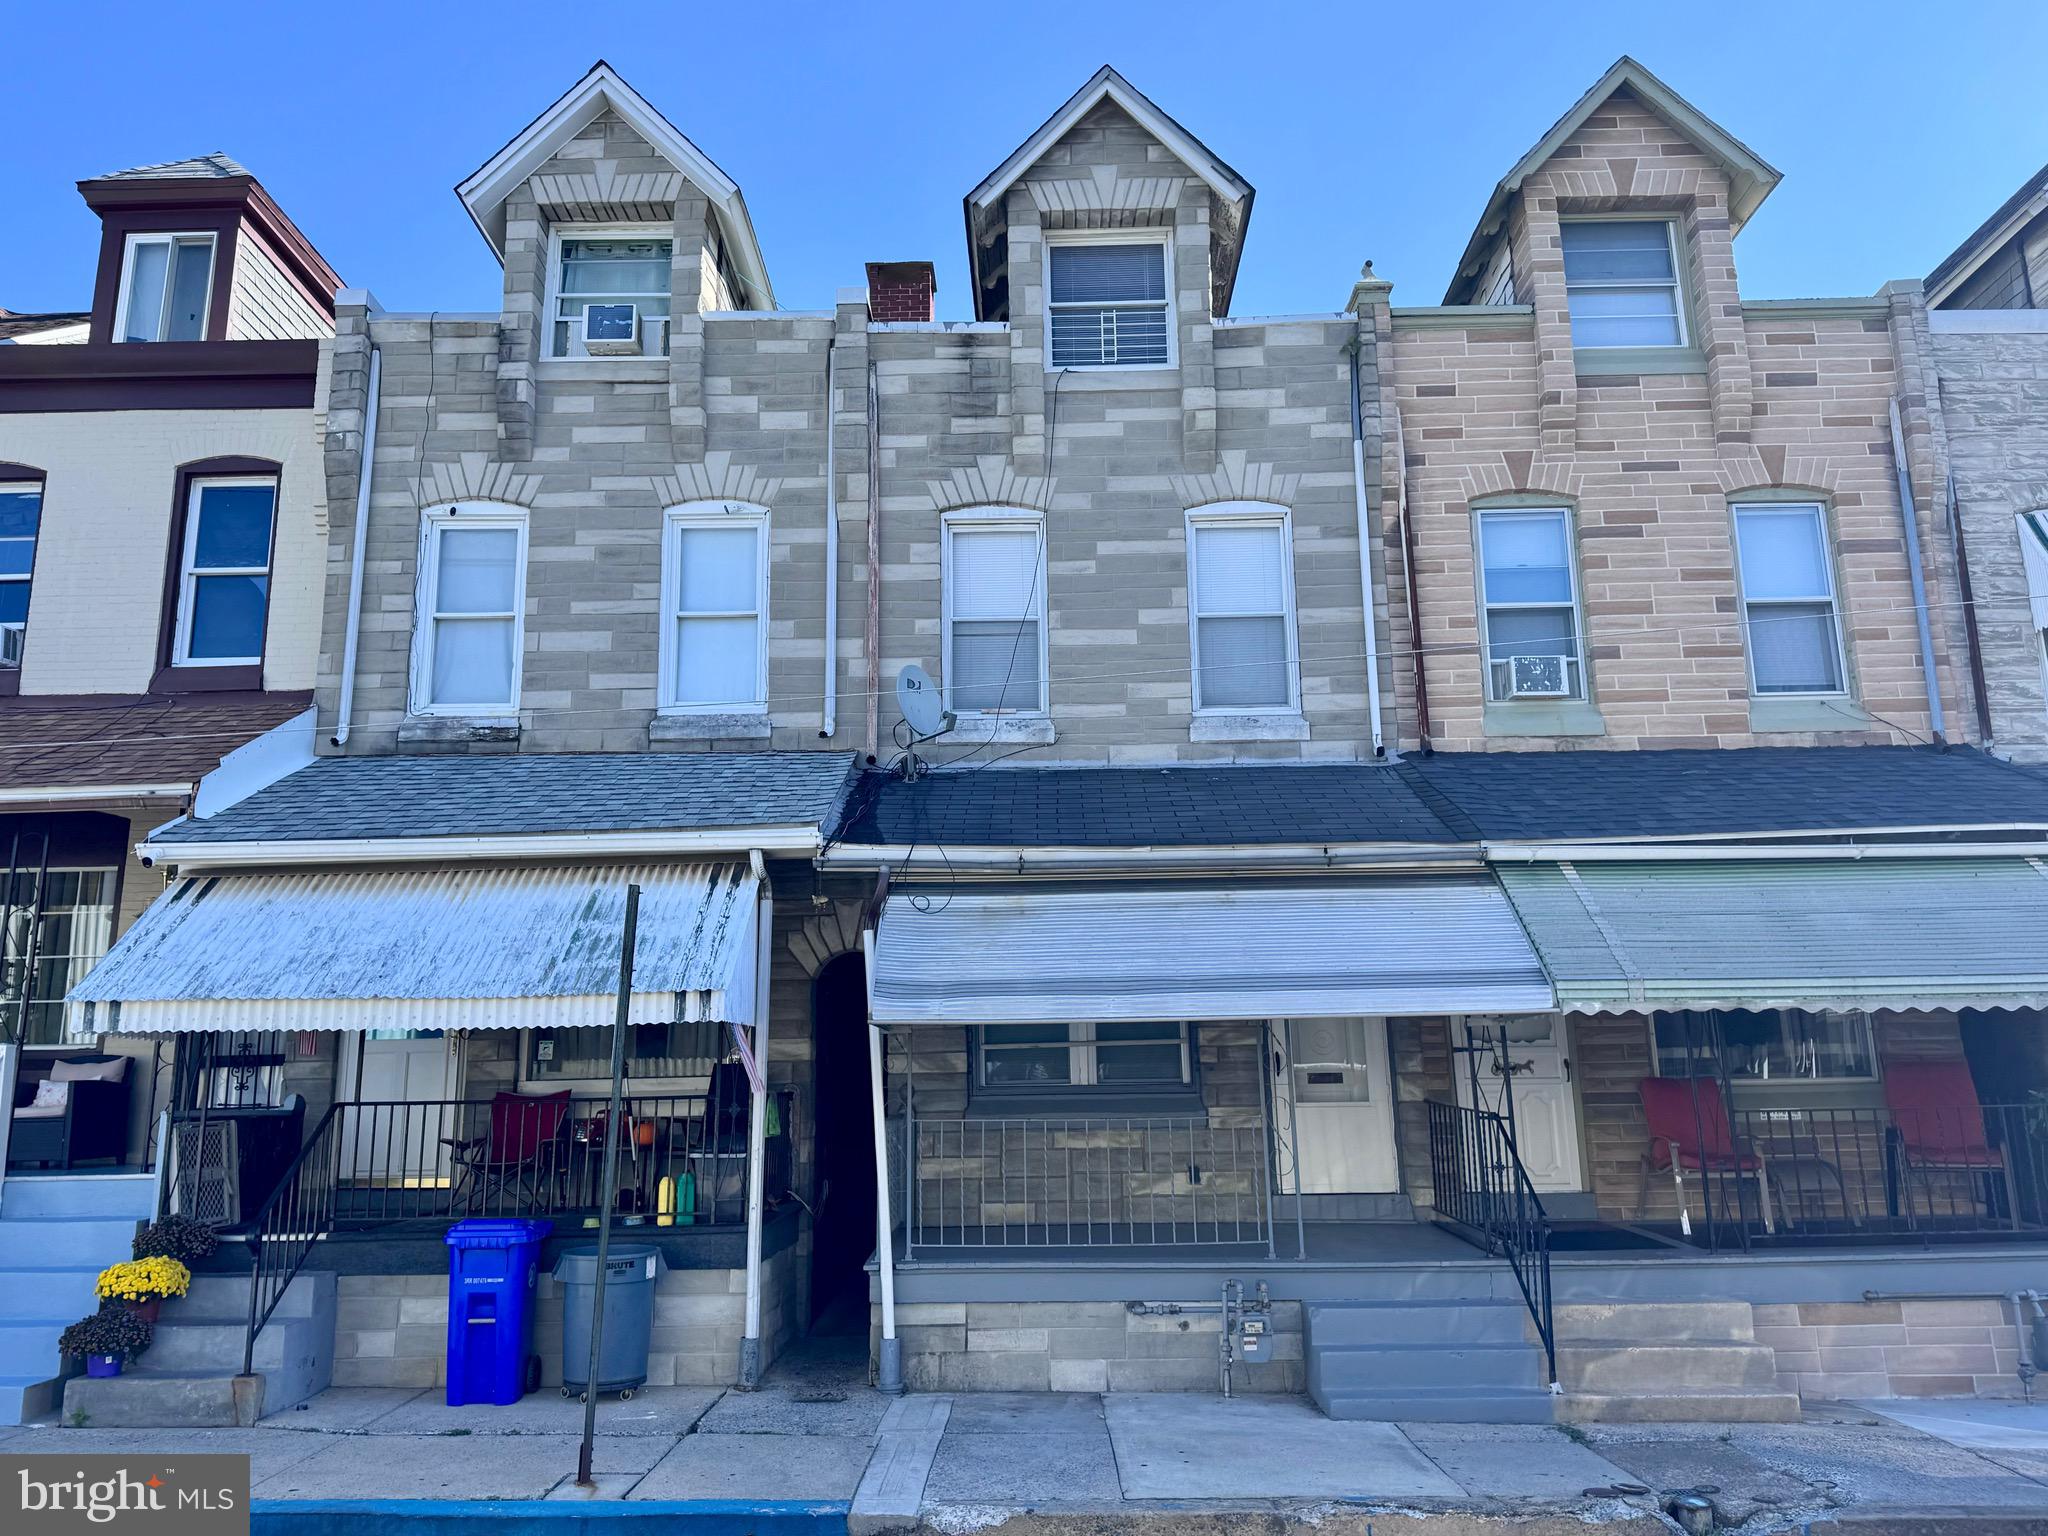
(1082,1346)
(1846,1350)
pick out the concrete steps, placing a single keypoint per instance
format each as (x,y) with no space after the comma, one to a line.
(1667,1362)
(57,1232)
(188,1376)
(1436,1362)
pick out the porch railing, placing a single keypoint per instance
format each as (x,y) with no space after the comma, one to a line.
(1820,1173)
(1151,1181)
(295,1216)
(1482,1190)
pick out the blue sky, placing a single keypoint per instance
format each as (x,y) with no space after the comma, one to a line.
(1369,130)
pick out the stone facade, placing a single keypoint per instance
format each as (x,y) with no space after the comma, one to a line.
(1844,1350)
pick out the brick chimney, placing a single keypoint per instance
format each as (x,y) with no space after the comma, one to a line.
(901,290)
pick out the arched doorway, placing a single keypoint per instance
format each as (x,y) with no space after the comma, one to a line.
(843,1234)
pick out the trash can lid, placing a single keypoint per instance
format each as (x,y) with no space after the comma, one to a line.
(632,1262)
(497,1232)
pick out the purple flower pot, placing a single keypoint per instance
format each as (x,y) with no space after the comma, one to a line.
(102,1365)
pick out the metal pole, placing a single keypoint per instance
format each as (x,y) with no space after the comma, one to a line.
(1936,722)
(1284,1030)
(609,1191)
(889,1368)
(757,1126)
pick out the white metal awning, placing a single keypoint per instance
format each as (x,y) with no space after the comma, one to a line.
(1018,955)
(428,949)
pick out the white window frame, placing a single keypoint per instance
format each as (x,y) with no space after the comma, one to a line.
(171,238)
(553,290)
(711,514)
(19,628)
(1137,236)
(994,520)
(189,574)
(1861,1016)
(1577,669)
(1677,281)
(1832,597)
(1241,514)
(433,523)
(1082,1069)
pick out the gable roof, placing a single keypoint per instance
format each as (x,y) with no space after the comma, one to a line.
(1989,238)
(485,190)
(215,165)
(1751,178)
(983,205)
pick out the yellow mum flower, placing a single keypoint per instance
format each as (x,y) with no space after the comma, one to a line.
(142,1279)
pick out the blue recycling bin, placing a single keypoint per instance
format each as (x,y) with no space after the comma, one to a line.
(493,1265)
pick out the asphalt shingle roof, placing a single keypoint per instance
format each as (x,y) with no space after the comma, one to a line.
(154,739)
(362,797)
(1453,797)
(217,165)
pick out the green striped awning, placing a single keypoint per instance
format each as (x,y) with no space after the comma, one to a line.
(1831,933)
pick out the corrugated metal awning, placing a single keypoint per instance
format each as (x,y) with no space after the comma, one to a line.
(1833,933)
(428,949)
(1018,955)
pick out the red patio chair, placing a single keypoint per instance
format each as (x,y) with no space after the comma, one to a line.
(1938,1127)
(1690,1132)
(519,1156)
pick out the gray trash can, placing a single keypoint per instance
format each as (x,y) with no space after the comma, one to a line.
(628,1317)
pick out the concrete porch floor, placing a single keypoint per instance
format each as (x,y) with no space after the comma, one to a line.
(934,1462)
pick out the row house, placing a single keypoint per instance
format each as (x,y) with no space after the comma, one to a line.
(1452,823)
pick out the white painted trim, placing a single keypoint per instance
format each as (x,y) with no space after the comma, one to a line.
(1244,514)
(61,794)
(1169,274)
(1833,597)
(171,239)
(988,520)
(1682,853)
(257,764)
(787,838)
(711,514)
(190,575)
(1007,862)
(433,523)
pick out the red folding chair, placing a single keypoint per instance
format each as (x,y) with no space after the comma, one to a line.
(519,1155)
(1938,1127)
(1690,1132)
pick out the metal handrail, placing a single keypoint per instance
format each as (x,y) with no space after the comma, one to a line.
(298,1214)
(1483,1191)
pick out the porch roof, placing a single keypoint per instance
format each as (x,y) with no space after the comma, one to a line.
(1030,955)
(428,949)
(1828,933)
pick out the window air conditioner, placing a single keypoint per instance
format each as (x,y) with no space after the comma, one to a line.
(1537,677)
(611,330)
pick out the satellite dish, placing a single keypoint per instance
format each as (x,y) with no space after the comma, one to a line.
(918,697)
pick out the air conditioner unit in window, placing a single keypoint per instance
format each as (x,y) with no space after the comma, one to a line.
(611,330)
(1534,677)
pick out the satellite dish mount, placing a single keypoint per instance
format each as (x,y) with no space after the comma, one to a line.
(924,714)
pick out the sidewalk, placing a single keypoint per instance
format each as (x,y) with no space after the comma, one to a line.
(832,1459)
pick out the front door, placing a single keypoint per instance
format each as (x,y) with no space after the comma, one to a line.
(1333,1091)
(397,1129)
(1538,1064)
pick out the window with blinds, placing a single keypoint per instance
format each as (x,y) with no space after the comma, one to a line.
(1529,601)
(1107,303)
(472,602)
(1621,283)
(715,611)
(1241,602)
(1788,599)
(995,616)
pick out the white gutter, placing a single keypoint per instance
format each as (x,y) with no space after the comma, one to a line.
(802,839)
(353,634)
(830,719)
(67,794)
(901,857)
(1705,853)
(1372,648)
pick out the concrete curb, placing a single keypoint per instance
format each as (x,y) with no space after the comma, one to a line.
(536,1517)
(1323,1519)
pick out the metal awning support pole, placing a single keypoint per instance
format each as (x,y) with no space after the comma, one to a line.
(889,1369)
(610,1190)
(757,1126)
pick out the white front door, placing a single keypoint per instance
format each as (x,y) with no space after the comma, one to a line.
(393,1131)
(1539,1066)
(1334,1090)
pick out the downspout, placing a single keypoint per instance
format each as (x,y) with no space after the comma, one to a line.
(757,1122)
(1372,647)
(1935,720)
(1408,578)
(873,642)
(352,635)
(829,721)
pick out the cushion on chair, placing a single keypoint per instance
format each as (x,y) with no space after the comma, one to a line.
(51,1094)
(113,1071)
(1935,1109)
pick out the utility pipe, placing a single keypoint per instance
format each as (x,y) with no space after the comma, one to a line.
(1935,721)
(1969,596)
(1422,723)
(352,635)
(889,1368)
(874,624)
(757,1127)
(1372,648)
(829,722)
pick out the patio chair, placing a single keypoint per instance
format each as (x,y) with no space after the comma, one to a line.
(1938,1127)
(1690,1132)
(519,1157)
(79,1111)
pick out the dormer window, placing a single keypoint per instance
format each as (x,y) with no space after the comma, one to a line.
(609,269)
(1107,301)
(1621,283)
(166,286)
